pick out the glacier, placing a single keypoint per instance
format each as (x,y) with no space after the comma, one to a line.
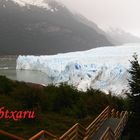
(104,68)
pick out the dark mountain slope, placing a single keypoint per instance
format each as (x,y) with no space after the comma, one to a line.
(34,30)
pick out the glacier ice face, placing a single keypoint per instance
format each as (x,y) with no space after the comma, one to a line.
(102,68)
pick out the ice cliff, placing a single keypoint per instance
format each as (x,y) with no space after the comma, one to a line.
(103,68)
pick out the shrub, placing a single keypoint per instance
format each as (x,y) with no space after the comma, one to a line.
(6,85)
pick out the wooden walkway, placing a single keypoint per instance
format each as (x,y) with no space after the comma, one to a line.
(107,126)
(112,123)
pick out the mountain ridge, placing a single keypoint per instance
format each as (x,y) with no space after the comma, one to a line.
(35,30)
(119,36)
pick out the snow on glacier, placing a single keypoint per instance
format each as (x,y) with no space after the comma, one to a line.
(103,68)
(39,3)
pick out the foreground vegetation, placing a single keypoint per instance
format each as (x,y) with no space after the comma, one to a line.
(56,108)
(133,126)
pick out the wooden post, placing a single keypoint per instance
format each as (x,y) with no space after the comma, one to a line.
(77,131)
(109,112)
(117,114)
(113,113)
(121,114)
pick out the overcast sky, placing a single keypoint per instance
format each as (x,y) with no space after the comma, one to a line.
(124,14)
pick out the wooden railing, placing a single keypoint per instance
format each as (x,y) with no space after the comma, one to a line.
(9,136)
(109,134)
(96,124)
(78,132)
(42,135)
(121,125)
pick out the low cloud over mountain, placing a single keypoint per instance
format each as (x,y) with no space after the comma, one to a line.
(44,28)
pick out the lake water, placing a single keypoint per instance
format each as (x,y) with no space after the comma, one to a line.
(8,69)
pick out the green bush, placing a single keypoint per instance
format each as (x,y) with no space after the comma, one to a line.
(6,85)
(54,106)
(27,97)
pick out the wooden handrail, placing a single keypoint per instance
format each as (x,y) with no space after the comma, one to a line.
(89,131)
(42,133)
(102,113)
(108,134)
(78,132)
(50,135)
(10,135)
(75,132)
(94,126)
(68,132)
(121,125)
(37,135)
